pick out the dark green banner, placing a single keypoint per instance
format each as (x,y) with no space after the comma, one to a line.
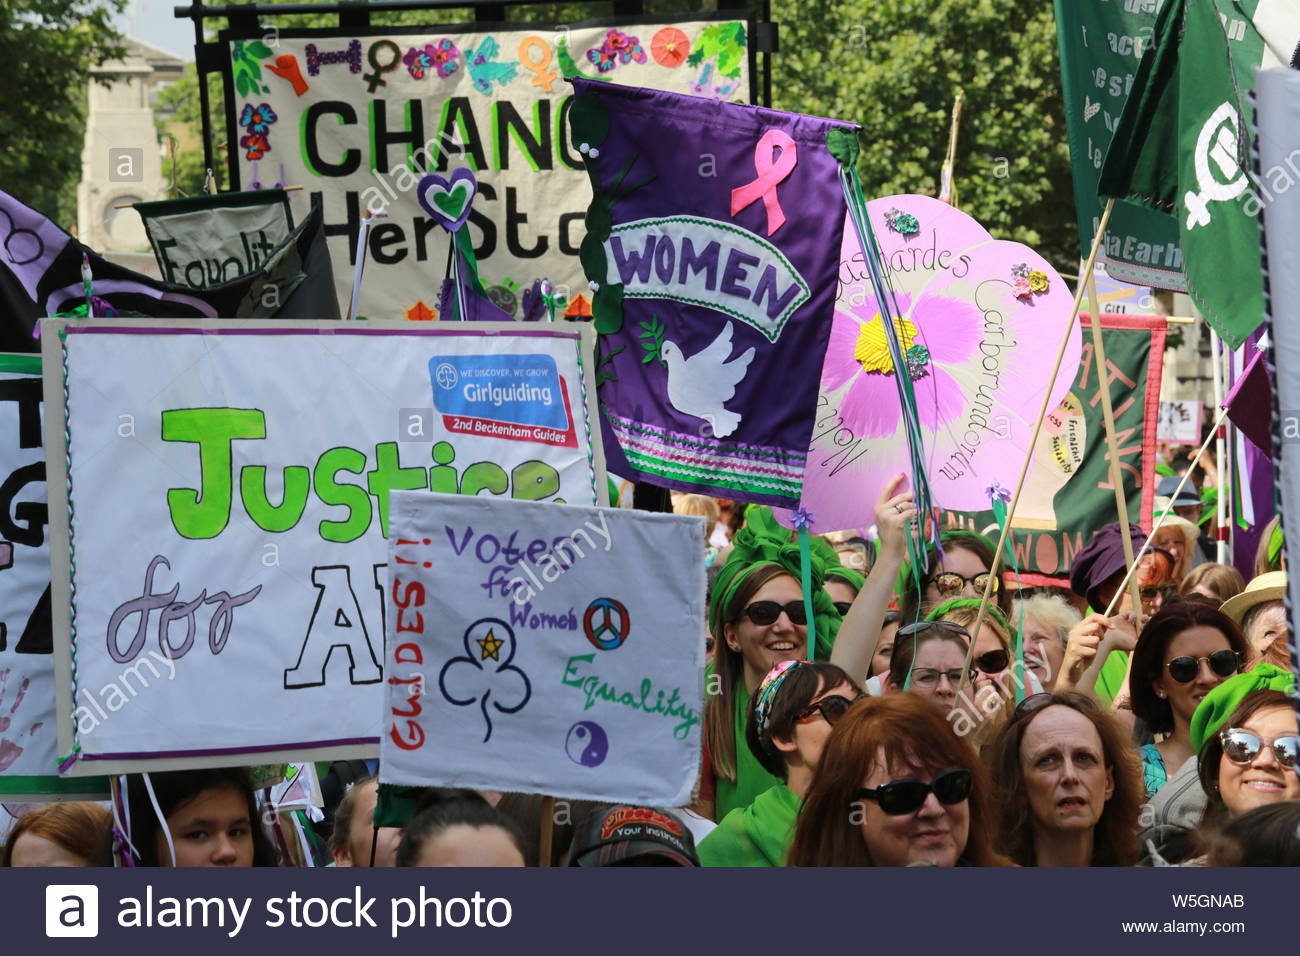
(1068,494)
(1102,42)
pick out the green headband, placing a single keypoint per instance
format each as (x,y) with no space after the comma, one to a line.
(762,542)
(992,611)
(1213,712)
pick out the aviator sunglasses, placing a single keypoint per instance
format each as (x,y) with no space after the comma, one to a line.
(950,582)
(1242,747)
(1185,669)
(907,796)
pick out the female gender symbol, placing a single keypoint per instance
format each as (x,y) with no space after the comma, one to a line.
(376,79)
(538,64)
(774,161)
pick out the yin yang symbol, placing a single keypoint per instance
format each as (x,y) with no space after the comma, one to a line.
(587,744)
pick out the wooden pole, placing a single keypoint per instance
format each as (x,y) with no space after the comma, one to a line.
(1112,443)
(546,836)
(1159,522)
(1033,441)
(948,175)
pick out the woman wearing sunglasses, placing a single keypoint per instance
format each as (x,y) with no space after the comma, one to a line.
(758,619)
(1069,786)
(895,787)
(794,710)
(1182,654)
(960,570)
(1251,760)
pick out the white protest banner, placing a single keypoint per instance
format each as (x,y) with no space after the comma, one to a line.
(357,117)
(220,585)
(209,240)
(544,649)
(1180,422)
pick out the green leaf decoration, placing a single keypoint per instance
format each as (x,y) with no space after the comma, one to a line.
(258,49)
(607,309)
(590,120)
(843,145)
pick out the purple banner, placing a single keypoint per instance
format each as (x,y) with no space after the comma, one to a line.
(712,249)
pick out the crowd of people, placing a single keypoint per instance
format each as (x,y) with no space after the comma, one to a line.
(1110,723)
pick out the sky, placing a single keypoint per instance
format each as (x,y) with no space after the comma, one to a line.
(152,21)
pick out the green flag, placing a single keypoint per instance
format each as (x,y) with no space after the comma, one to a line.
(1101,48)
(1183,146)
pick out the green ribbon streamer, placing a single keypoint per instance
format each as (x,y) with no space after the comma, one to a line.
(1000,516)
(805,580)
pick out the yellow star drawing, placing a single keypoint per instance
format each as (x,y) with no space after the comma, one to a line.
(491,646)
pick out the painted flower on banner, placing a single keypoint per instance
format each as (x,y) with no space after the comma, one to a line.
(257,119)
(255,144)
(485,677)
(617,48)
(935,333)
(418,61)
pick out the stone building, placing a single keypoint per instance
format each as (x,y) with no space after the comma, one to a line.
(122,161)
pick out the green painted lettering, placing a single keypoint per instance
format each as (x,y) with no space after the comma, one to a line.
(269,517)
(206,512)
(333,492)
(389,475)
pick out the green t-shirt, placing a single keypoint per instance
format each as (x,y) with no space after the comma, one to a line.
(757,835)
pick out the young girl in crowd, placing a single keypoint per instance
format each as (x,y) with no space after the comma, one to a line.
(896,787)
(796,706)
(209,818)
(1068,784)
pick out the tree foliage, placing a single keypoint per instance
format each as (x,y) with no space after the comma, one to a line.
(50,47)
(895,66)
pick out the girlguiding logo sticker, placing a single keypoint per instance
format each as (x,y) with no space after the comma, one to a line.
(516,397)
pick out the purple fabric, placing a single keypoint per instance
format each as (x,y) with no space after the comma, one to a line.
(750,444)
(1250,403)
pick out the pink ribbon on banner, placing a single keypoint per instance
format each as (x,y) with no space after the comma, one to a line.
(772,170)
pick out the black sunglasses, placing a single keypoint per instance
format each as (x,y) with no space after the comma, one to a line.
(832,708)
(907,796)
(993,662)
(764,613)
(843,607)
(1037,701)
(1223,663)
(1163,591)
(1242,747)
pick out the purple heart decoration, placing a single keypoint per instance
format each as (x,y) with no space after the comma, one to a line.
(448,201)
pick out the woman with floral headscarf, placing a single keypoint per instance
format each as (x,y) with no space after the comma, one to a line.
(757,618)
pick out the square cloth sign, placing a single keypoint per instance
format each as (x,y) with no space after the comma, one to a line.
(543,648)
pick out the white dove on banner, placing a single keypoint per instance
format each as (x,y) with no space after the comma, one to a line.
(702,384)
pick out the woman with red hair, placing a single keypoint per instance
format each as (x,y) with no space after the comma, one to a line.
(60,834)
(896,787)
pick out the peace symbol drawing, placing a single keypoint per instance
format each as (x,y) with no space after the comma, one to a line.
(606,623)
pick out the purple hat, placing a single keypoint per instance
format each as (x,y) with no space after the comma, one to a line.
(628,836)
(1101,559)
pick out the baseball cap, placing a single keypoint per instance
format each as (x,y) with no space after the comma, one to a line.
(632,836)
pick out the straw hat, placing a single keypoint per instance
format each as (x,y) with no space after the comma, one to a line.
(1266,587)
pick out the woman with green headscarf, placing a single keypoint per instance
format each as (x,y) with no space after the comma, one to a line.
(757,618)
